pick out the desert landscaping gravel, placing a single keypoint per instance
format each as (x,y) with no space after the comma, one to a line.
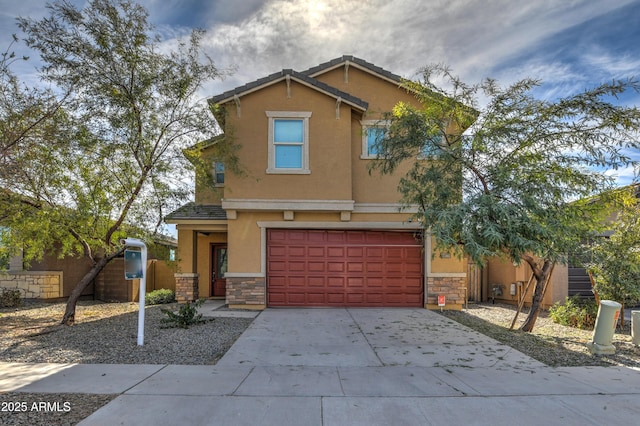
(104,333)
(550,343)
(107,333)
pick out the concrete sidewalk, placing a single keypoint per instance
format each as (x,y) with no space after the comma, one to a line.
(348,367)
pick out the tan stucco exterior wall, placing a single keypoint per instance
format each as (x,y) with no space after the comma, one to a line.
(442,262)
(329,147)
(245,241)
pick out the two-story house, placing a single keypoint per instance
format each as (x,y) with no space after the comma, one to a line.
(307,224)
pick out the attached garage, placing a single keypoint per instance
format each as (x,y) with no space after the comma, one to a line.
(344,268)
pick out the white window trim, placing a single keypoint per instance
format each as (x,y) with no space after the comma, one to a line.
(366,124)
(271,165)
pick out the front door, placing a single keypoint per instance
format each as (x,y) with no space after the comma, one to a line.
(218,269)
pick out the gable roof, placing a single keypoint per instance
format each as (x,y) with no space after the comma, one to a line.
(292,75)
(361,64)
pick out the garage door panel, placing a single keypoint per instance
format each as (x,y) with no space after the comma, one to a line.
(374,268)
(335,267)
(337,299)
(375,298)
(413,269)
(277,266)
(336,252)
(297,282)
(315,236)
(375,283)
(355,298)
(343,268)
(296,252)
(316,282)
(277,298)
(335,282)
(296,298)
(316,267)
(333,237)
(355,267)
(296,266)
(295,235)
(316,298)
(355,252)
(315,251)
(374,252)
(355,282)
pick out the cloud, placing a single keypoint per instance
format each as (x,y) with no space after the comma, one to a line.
(476,39)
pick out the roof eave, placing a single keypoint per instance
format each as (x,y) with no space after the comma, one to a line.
(232,94)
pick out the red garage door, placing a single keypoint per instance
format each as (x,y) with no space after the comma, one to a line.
(343,268)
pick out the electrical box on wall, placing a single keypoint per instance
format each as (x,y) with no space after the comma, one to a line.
(513,289)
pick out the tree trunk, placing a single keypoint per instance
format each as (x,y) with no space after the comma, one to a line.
(542,275)
(70,312)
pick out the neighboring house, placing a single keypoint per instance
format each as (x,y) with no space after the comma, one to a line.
(567,280)
(307,224)
(54,277)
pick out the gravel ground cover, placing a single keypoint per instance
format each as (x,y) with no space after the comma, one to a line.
(105,333)
(553,344)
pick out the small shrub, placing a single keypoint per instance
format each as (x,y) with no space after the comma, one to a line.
(575,312)
(10,298)
(160,297)
(187,315)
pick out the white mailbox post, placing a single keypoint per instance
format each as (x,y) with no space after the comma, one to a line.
(136,268)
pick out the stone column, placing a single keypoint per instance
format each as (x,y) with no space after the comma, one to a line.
(186,287)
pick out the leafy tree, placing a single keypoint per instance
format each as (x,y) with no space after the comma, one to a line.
(501,177)
(26,114)
(615,261)
(130,110)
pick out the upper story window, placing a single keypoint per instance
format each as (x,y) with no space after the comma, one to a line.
(288,142)
(432,147)
(372,132)
(218,173)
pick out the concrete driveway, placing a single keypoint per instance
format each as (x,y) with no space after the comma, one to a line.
(367,338)
(373,367)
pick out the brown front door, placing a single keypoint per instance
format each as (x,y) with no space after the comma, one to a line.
(218,269)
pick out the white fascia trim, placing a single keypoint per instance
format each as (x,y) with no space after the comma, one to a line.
(293,205)
(384,208)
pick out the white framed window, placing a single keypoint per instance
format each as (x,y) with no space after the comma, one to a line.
(288,142)
(372,131)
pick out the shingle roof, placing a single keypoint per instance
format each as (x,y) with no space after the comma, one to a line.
(198,211)
(334,63)
(294,75)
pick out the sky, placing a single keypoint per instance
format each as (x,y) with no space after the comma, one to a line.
(570,45)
